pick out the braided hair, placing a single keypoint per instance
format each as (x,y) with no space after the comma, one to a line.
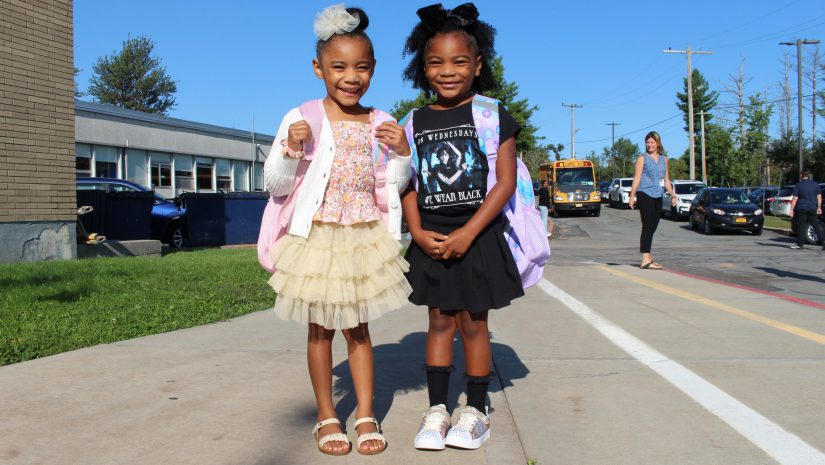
(461,20)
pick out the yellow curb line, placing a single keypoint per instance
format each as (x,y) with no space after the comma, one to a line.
(795,330)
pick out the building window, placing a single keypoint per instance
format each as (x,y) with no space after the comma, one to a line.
(240,175)
(184,178)
(204,174)
(136,167)
(258,176)
(105,162)
(161,169)
(83,160)
(223,175)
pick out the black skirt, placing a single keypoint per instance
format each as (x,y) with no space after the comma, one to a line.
(485,278)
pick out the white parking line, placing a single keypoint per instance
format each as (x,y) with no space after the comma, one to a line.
(783,446)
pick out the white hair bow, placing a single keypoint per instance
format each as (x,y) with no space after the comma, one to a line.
(334,20)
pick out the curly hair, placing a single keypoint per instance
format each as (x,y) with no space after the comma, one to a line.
(480,37)
(359,31)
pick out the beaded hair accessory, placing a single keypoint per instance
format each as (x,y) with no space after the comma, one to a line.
(334,20)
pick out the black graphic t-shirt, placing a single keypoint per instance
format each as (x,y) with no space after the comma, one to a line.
(452,169)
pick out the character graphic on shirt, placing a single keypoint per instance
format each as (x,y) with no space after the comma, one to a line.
(452,170)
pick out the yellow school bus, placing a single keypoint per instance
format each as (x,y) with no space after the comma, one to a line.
(572,186)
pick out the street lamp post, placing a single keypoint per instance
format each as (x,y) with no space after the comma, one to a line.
(799,43)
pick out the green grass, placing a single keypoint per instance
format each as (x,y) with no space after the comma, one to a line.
(777,222)
(52,307)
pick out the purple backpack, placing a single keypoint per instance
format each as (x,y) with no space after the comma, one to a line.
(525,232)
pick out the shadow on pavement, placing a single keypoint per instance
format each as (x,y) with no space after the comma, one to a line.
(791,274)
(399,368)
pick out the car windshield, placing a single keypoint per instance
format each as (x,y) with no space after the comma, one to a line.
(728,197)
(575,177)
(688,188)
(627,182)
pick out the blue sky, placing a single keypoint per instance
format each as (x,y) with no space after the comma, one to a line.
(235,61)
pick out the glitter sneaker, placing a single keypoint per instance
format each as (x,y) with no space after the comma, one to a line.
(471,430)
(434,425)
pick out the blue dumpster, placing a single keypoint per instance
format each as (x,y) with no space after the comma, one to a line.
(128,215)
(223,218)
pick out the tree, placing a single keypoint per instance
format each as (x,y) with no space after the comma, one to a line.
(678,168)
(626,153)
(133,79)
(77,92)
(507,93)
(704,99)
(555,149)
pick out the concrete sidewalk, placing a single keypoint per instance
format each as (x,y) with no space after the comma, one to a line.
(235,392)
(238,392)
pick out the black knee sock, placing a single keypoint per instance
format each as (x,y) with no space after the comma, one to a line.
(438,384)
(477,391)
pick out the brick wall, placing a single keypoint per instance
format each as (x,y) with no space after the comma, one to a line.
(37,160)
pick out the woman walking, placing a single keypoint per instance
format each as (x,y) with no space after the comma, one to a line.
(650,176)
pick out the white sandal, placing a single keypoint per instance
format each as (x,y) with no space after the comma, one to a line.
(330,437)
(373,436)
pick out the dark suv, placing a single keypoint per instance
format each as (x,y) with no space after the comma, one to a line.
(168,221)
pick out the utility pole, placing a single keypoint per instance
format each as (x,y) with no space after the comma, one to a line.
(572,107)
(690,52)
(613,145)
(704,163)
(799,43)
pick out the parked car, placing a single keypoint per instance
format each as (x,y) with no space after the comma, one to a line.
(810,234)
(722,209)
(685,191)
(763,197)
(168,220)
(781,203)
(604,190)
(619,193)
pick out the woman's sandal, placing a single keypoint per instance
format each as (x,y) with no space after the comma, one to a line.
(341,437)
(374,436)
(651,266)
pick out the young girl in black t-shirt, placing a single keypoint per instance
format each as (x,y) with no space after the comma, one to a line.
(460,264)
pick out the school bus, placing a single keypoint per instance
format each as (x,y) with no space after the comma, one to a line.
(572,186)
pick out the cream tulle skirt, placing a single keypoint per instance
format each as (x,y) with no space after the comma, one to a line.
(339,277)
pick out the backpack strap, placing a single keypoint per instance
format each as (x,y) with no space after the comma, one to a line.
(486,120)
(380,151)
(407,123)
(313,113)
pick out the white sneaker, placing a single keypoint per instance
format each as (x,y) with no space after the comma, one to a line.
(471,430)
(433,429)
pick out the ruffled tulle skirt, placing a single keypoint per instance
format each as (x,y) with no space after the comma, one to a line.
(340,276)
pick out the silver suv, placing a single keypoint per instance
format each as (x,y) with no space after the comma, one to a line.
(685,191)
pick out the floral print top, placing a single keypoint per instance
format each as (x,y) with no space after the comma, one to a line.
(349,198)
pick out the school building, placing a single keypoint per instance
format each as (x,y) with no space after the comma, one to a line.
(48,139)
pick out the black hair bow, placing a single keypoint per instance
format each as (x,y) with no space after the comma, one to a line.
(435,16)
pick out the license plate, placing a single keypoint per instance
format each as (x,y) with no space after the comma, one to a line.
(741,220)
(578,205)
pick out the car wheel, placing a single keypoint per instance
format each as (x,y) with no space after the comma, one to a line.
(691,223)
(708,228)
(674,215)
(810,235)
(757,232)
(175,236)
(597,212)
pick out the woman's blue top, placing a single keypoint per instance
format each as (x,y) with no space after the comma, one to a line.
(653,176)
